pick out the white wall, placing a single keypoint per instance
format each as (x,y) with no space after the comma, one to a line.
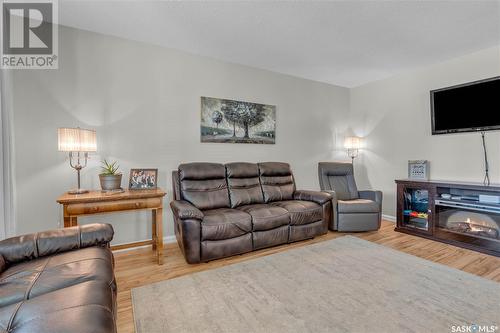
(394,116)
(144,102)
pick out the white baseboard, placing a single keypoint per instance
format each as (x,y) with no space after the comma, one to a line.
(166,240)
(389,218)
(169,239)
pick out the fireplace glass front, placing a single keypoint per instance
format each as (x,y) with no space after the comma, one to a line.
(469,222)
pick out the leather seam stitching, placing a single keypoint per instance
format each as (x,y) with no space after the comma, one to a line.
(3,279)
(71,262)
(79,237)
(269,217)
(243,187)
(71,307)
(36,245)
(32,284)
(208,190)
(11,320)
(26,295)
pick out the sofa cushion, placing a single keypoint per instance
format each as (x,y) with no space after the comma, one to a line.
(266,216)
(36,277)
(204,185)
(301,212)
(244,184)
(277,181)
(84,307)
(224,223)
(357,206)
(215,249)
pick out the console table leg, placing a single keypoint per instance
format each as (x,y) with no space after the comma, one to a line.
(153,229)
(67,218)
(67,222)
(159,235)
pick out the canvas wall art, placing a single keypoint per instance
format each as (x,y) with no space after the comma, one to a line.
(229,121)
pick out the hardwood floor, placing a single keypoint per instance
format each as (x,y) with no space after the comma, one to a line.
(138,267)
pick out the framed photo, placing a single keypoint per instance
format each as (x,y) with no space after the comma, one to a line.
(418,169)
(143,179)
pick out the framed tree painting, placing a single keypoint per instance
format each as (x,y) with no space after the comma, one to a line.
(229,121)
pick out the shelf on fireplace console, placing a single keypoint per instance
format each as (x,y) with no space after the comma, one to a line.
(467,204)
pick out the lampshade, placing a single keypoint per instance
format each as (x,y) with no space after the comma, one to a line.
(76,139)
(352,142)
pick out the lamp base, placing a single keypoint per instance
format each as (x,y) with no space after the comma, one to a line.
(78,191)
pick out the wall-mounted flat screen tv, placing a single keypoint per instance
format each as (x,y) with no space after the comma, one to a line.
(469,107)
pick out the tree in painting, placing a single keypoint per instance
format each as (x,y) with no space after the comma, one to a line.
(250,115)
(217,118)
(230,110)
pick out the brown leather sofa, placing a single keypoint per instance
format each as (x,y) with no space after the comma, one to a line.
(58,281)
(223,210)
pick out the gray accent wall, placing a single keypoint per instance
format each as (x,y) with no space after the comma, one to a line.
(144,102)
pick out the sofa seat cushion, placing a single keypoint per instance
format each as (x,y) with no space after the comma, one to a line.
(301,212)
(266,217)
(224,223)
(36,277)
(85,307)
(357,206)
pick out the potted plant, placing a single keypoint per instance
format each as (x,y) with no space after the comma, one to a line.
(110,178)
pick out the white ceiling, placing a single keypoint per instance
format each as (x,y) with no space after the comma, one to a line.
(347,43)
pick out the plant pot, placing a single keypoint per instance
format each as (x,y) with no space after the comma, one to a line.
(110,182)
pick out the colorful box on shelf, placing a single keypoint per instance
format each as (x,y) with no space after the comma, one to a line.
(413,213)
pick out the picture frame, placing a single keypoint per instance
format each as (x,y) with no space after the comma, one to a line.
(233,121)
(418,169)
(143,179)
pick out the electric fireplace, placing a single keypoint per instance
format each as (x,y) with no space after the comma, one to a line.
(461,214)
(469,222)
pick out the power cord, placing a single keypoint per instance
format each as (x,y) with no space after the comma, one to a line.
(486,180)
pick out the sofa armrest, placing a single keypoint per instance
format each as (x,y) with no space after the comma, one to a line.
(32,246)
(333,196)
(371,195)
(315,196)
(184,210)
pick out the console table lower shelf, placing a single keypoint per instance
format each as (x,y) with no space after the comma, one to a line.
(98,202)
(457,213)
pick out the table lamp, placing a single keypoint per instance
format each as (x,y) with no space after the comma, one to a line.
(352,144)
(78,142)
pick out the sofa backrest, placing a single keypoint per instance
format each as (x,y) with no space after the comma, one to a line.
(244,184)
(338,177)
(277,182)
(204,185)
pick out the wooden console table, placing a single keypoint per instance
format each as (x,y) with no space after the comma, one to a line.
(97,202)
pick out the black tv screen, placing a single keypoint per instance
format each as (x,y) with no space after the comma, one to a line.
(469,107)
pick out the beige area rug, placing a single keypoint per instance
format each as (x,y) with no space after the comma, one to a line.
(342,285)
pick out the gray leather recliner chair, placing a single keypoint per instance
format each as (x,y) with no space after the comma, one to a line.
(353,210)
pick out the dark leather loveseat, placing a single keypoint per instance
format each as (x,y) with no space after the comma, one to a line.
(224,210)
(58,281)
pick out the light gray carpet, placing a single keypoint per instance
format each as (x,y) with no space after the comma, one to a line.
(343,285)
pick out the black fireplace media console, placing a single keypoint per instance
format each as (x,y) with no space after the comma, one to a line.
(461,214)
